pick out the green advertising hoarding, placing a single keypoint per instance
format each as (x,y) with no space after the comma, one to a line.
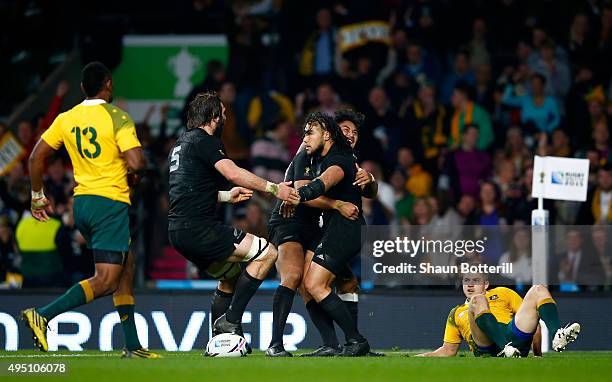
(163,69)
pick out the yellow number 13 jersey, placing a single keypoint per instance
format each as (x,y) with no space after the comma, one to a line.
(95,134)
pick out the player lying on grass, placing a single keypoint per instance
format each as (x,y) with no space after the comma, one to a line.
(106,156)
(499,323)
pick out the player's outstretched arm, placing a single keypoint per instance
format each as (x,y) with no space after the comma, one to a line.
(40,204)
(446,350)
(245,178)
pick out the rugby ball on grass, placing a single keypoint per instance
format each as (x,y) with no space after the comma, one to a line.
(226,345)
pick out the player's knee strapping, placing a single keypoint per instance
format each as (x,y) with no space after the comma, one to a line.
(226,271)
(259,249)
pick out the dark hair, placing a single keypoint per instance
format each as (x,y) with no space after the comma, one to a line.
(465,88)
(93,77)
(350,115)
(203,109)
(539,76)
(471,126)
(328,124)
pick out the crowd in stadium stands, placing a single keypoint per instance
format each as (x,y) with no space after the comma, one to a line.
(457,103)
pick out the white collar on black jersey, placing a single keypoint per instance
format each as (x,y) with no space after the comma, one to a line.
(92,102)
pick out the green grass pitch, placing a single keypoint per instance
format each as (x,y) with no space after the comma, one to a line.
(192,366)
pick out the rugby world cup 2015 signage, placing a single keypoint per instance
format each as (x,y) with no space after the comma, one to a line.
(156,70)
(560,178)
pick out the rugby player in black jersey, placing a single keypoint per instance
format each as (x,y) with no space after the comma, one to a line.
(296,232)
(199,171)
(335,170)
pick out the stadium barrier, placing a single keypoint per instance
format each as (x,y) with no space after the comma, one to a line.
(180,321)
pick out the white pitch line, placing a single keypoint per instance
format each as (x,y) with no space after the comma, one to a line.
(55,355)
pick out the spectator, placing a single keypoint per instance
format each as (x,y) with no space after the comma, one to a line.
(373,212)
(484,89)
(266,109)
(57,184)
(385,192)
(598,270)
(519,256)
(25,136)
(491,214)
(505,180)
(419,181)
(567,265)
(581,48)
(269,154)
(598,207)
(404,201)
(424,129)
(215,76)
(560,146)
(10,276)
(601,142)
(515,148)
(319,51)
(469,113)
(537,108)
(555,71)
(467,166)
(41,262)
(467,209)
(382,124)
(419,65)
(422,212)
(462,73)
(478,46)
(518,209)
(236,146)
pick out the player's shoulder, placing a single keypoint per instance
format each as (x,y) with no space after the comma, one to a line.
(454,312)
(119,116)
(500,292)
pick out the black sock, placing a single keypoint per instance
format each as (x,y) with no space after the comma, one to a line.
(340,314)
(246,286)
(281,306)
(323,322)
(353,309)
(219,304)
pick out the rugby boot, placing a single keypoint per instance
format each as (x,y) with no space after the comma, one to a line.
(38,325)
(564,336)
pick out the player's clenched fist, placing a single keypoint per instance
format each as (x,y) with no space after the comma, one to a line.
(39,207)
(348,210)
